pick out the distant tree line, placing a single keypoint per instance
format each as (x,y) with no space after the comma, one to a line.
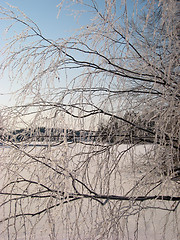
(130,128)
(43,134)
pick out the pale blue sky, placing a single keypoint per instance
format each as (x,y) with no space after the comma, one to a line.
(44,13)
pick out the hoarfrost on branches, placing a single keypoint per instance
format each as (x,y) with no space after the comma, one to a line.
(91,147)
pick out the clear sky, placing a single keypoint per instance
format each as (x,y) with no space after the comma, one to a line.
(44,13)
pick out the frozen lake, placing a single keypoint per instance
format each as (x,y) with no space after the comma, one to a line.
(41,174)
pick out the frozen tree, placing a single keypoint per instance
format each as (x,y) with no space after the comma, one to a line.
(115,82)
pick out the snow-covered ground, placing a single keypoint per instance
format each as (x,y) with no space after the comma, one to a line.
(115,170)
